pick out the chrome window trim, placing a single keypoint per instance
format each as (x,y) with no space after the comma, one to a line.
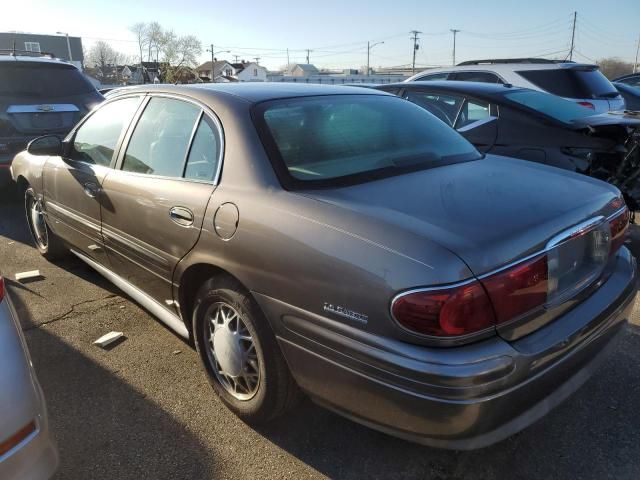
(555,241)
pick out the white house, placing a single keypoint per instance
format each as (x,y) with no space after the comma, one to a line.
(250,72)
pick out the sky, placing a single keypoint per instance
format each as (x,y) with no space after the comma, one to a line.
(337,31)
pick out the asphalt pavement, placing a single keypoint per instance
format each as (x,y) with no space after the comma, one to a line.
(144,409)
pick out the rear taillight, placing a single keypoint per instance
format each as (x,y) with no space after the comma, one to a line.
(618,226)
(519,289)
(445,312)
(1,288)
(587,104)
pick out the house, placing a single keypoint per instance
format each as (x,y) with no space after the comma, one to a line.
(302,70)
(250,72)
(222,71)
(60,46)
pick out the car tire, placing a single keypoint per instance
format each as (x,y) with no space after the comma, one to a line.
(251,377)
(46,242)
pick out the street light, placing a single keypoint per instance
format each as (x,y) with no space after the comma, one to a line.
(369,47)
(68,44)
(213,55)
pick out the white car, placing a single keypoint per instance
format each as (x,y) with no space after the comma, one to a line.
(27,451)
(579,82)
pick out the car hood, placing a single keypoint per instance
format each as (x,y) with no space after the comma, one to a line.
(489,212)
(624,118)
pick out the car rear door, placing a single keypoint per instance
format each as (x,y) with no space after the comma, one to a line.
(158,193)
(477,121)
(72,183)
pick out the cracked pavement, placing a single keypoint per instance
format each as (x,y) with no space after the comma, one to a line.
(144,409)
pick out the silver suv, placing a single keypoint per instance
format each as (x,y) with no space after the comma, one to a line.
(579,82)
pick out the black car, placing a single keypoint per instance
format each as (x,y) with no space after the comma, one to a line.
(630,93)
(536,126)
(39,95)
(632,79)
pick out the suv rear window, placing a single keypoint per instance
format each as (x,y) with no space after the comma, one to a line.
(318,140)
(572,83)
(42,80)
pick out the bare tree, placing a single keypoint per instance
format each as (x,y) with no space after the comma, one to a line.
(614,67)
(154,38)
(101,55)
(140,31)
(180,54)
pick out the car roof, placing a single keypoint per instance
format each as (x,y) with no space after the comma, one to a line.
(505,67)
(33,59)
(478,89)
(624,77)
(253,92)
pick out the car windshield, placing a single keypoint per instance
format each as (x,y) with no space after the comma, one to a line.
(42,80)
(357,137)
(557,108)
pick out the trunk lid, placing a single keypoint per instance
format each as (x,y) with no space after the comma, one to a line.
(490,212)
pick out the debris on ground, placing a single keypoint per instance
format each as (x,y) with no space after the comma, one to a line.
(28,276)
(107,339)
(177,352)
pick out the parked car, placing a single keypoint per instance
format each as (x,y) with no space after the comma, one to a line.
(630,94)
(633,79)
(27,451)
(39,95)
(577,82)
(536,126)
(345,242)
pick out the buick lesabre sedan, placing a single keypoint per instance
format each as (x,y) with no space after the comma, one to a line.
(344,243)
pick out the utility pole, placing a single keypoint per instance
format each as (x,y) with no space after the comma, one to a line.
(635,64)
(308,52)
(257,59)
(573,35)
(369,47)
(213,62)
(454,31)
(288,63)
(68,45)
(235,59)
(415,39)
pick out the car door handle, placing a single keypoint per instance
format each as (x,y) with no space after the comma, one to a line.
(91,189)
(182,216)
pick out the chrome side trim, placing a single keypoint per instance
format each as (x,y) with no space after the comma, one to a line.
(166,317)
(74,216)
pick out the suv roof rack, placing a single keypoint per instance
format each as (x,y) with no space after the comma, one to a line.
(512,60)
(25,53)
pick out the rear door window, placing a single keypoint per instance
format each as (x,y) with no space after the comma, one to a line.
(204,155)
(96,139)
(445,107)
(434,76)
(486,77)
(472,111)
(160,140)
(572,83)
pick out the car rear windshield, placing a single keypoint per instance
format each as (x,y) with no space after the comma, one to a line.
(572,83)
(334,139)
(41,80)
(550,105)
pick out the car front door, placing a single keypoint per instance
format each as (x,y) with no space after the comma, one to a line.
(72,182)
(158,192)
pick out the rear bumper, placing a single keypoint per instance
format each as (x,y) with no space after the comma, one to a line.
(464,397)
(35,457)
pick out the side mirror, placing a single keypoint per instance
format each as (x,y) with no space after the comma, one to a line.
(45,145)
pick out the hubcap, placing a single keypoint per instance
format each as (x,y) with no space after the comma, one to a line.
(38,224)
(232,351)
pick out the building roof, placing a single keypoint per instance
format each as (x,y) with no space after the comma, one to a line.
(305,67)
(217,69)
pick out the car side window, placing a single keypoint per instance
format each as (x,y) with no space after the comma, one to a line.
(433,76)
(97,138)
(158,145)
(485,77)
(472,111)
(202,162)
(444,107)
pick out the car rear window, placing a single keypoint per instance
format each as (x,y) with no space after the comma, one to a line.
(550,105)
(42,80)
(572,83)
(321,140)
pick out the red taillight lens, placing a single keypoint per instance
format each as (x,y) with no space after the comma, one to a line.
(519,289)
(618,226)
(445,312)
(587,104)
(1,288)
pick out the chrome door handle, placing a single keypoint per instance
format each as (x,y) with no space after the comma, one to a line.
(182,216)
(91,189)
